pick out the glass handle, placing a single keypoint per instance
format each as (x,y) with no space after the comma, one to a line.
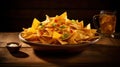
(96,22)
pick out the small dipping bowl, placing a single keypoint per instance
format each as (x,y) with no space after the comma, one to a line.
(13,47)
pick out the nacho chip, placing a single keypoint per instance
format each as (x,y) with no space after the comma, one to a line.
(59,30)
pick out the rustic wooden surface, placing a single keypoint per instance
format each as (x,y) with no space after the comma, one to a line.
(104,53)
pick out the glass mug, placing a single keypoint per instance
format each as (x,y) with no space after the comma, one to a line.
(105,22)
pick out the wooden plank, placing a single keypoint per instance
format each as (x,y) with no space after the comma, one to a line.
(7,37)
(104,52)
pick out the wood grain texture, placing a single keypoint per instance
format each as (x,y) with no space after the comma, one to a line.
(104,53)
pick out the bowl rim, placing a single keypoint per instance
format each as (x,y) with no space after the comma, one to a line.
(36,44)
(18,45)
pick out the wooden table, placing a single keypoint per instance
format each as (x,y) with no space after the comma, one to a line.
(106,52)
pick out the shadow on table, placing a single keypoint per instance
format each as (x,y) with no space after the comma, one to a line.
(56,54)
(19,54)
(60,58)
(107,55)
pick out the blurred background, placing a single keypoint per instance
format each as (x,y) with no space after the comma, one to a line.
(16,14)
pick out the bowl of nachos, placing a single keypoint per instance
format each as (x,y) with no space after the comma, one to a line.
(59,33)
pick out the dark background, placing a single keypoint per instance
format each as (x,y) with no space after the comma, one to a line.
(16,14)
